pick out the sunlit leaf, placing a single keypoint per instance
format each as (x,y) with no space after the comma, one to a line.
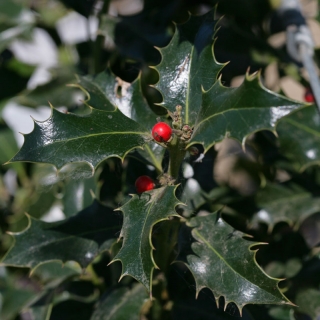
(187,66)
(105,91)
(224,263)
(238,112)
(90,138)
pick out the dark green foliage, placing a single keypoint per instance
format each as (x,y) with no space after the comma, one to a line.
(235,205)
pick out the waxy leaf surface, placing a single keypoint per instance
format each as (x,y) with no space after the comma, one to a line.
(80,238)
(224,263)
(299,136)
(140,215)
(238,112)
(291,204)
(105,91)
(90,138)
(188,65)
(122,303)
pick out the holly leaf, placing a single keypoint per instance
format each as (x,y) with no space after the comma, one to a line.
(308,301)
(121,303)
(187,66)
(80,238)
(141,213)
(222,258)
(100,90)
(90,138)
(291,204)
(238,112)
(105,91)
(299,136)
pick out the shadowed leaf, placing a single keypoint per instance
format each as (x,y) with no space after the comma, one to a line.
(80,238)
(299,136)
(140,215)
(280,203)
(122,303)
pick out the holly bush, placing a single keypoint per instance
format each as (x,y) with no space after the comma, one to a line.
(178,243)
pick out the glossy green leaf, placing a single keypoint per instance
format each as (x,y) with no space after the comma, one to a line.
(101,91)
(90,138)
(224,263)
(238,112)
(80,238)
(105,91)
(280,203)
(309,303)
(122,304)
(299,136)
(187,66)
(141,213)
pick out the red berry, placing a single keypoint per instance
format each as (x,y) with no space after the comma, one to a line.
(308,96)
(161,132)
(144,183)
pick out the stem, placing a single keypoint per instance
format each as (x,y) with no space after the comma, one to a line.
(177,153)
